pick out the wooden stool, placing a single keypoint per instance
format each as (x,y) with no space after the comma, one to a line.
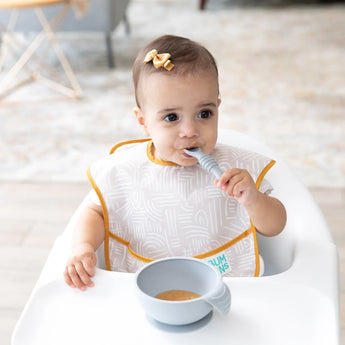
(9,43)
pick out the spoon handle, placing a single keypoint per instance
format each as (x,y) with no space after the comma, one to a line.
(206,161)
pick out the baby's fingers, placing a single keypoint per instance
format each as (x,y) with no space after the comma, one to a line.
(83,274)
(72,277)
(222,182)
(89,265)
(228,175)
(68,279)
(76,276)
(236,185)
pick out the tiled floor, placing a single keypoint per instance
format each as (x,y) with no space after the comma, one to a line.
(32,215)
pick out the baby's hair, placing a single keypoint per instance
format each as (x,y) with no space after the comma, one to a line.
(188,57)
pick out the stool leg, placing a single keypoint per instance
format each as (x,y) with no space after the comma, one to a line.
(63,60)
(110,54)
(9,30)
(47,32)
(3,50)
(23,59)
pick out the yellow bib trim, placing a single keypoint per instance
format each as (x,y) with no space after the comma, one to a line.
(155,160)
(256,246)
(135,141)
(263,173)
(149,153)
(105,219)
(226,245)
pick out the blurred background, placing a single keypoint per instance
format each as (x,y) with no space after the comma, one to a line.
(282,80)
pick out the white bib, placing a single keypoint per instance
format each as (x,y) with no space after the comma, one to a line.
(152,211)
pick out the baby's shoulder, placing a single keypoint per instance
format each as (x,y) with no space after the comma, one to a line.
(126,156)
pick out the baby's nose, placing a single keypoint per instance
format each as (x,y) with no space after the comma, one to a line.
(188,129)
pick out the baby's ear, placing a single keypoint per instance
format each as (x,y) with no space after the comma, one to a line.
(141,120)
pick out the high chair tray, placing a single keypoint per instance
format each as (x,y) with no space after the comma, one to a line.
(262,312)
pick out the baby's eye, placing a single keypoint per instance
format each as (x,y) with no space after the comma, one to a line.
(204,114)
(171,117)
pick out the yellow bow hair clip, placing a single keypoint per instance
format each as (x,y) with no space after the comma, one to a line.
(159,60)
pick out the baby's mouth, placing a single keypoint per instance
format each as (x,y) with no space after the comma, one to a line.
(192,148)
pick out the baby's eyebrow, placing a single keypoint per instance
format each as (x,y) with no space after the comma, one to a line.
(211,104)
(176,109)
(168,110)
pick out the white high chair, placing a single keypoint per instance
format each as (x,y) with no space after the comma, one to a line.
(295,302)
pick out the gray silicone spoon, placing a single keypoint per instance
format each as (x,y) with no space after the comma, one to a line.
(206,161)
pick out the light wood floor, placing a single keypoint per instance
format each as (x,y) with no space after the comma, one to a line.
(32,215)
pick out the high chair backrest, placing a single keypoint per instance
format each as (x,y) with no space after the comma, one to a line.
(305,222)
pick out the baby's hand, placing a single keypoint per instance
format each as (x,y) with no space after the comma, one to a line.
(80,267)
(239,185)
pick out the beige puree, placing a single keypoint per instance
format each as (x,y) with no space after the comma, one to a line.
(177,295)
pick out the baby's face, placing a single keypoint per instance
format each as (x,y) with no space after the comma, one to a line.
(178,113)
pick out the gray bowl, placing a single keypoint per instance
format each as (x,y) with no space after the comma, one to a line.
(181,273)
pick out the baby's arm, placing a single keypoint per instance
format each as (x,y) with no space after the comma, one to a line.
(267,213)
(87,237)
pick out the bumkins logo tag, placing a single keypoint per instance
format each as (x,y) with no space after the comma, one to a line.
(219,261)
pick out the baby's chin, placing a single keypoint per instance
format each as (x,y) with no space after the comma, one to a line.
(186,161)
(183,163)
(179,160)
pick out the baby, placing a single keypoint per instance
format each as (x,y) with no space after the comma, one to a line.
(152,200)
